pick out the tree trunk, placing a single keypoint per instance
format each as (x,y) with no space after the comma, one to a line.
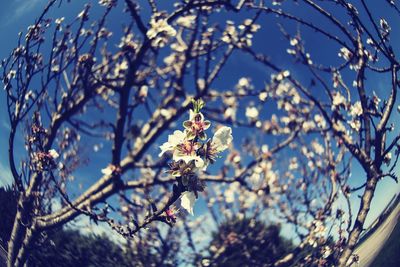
(15,237)
(21,235)
(360,220)
(22,255)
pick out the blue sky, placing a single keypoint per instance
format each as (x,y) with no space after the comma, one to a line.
(16,15)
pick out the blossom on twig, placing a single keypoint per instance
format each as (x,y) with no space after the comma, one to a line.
(190,154)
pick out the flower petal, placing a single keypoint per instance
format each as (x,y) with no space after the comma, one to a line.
(207,125)
(222,138)
(199,162)
(173,140)
(187,124)
(187,201)
(53,153)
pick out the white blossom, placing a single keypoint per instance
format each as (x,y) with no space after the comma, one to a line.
(222,138)
(345,53)
(250,200)
(244,83)
(59,20)
(376,100)
(338,100)
(11,74)
(230,113)
(318,148)
(327,252)
(291,51)
(263,96)
(294,41)
(166,113)
(230,34)
(388,158)
(356,109)
(229,196)
(282,89)
(107,3)
(308,125)
(201,83)
(55,68)
(264,149)
(108,170)
(173,141)
(128,39)
(186,21)
(143,91)
(82,15)
(277,2)
(53,153)
(293,165)
(320,121)
(198,161)
(384,25)
(180,46)
(160,31)
(355,124)
(120,67)
(187,201)
(339,126)
(252,113)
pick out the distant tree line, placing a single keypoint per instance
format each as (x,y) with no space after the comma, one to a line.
(237,242)
(62,247)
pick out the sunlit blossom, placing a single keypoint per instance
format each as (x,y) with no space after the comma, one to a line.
(187,201)
(252,113)
(222,138)
(187,152)
(160,31)
(196,125)
(173,141)
(186,21)
(263,96)
(355,124)
(191,154)
(53,153)
(338,100)
(356,109)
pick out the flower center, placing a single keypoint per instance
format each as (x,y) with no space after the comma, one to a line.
(198,126)
(188,148)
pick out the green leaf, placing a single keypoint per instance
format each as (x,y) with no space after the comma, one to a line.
(198,105)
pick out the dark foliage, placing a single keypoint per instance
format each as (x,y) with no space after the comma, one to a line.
(70,248)
(62,247)
(247,242)
(8,208)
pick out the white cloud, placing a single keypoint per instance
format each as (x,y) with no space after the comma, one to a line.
(6,125)
(24,6)
(5,175)
(17,9)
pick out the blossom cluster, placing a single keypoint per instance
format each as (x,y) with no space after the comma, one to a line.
(45,161)
(191,153)
(160,31)
(242,37)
